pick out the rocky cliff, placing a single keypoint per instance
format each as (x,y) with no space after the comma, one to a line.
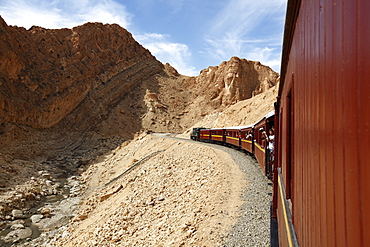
(71,96)
(46,74)
(69,89)
(235,80)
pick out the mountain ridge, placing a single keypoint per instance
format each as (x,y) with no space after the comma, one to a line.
(95,81)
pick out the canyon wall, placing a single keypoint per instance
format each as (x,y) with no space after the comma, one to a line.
(45,74)
(71,88)
(235,80)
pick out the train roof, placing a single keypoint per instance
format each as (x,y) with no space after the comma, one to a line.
(270,114)
(217,128)
(289,28)
(240,127)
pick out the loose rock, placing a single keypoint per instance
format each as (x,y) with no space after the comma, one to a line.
(18,214)
(36,218)
(17,235)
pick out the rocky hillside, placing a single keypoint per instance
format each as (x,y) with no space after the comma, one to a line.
(235,80)
(46,74)
(71,97)
(68,91)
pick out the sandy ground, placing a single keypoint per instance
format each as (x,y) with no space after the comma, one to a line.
(182,194)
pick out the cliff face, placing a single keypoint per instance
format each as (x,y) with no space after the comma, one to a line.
(236,80)
(69,89)
(45,74)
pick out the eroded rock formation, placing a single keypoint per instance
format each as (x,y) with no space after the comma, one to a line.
(69,88)
(69,96)
(236,80)
(45,74)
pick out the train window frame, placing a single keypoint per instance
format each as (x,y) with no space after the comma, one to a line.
(290,147)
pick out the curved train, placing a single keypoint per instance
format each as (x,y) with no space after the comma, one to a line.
(249,138)
(321,169)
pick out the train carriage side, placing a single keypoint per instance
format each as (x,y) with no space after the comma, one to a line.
(232,136)
(323,188)
(195,134)
(246,136)
(217,135)
(260,143)
(205,135)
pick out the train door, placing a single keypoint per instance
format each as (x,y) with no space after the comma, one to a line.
(290,153)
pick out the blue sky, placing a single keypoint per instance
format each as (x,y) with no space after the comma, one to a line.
(191,35)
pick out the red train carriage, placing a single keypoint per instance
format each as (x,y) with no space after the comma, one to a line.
(322,194)
(204,134)
(232,136)
(195,134)
(260,142)
(246,135)
(217,135)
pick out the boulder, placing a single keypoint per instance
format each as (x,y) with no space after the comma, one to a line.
(18,214)
(36,218)
(17,235)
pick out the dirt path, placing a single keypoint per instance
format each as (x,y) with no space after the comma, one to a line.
(187,194)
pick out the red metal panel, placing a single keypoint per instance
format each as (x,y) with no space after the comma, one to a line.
(217,135)
(329,123)
(259,152)
(246,141)
(317,223)
(232,137)
(306,72)
(260,144)
(349,73)
(329,61)
(308,201)
(339,200)
(205,134)
(323,212)
(363,52)
(232,140)
(247,145)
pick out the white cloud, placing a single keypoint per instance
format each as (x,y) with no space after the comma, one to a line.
(266,56)
(249,29)
(71,13)
(240,17)
(230,33)
(176,54)
(257,50)
(63,13)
